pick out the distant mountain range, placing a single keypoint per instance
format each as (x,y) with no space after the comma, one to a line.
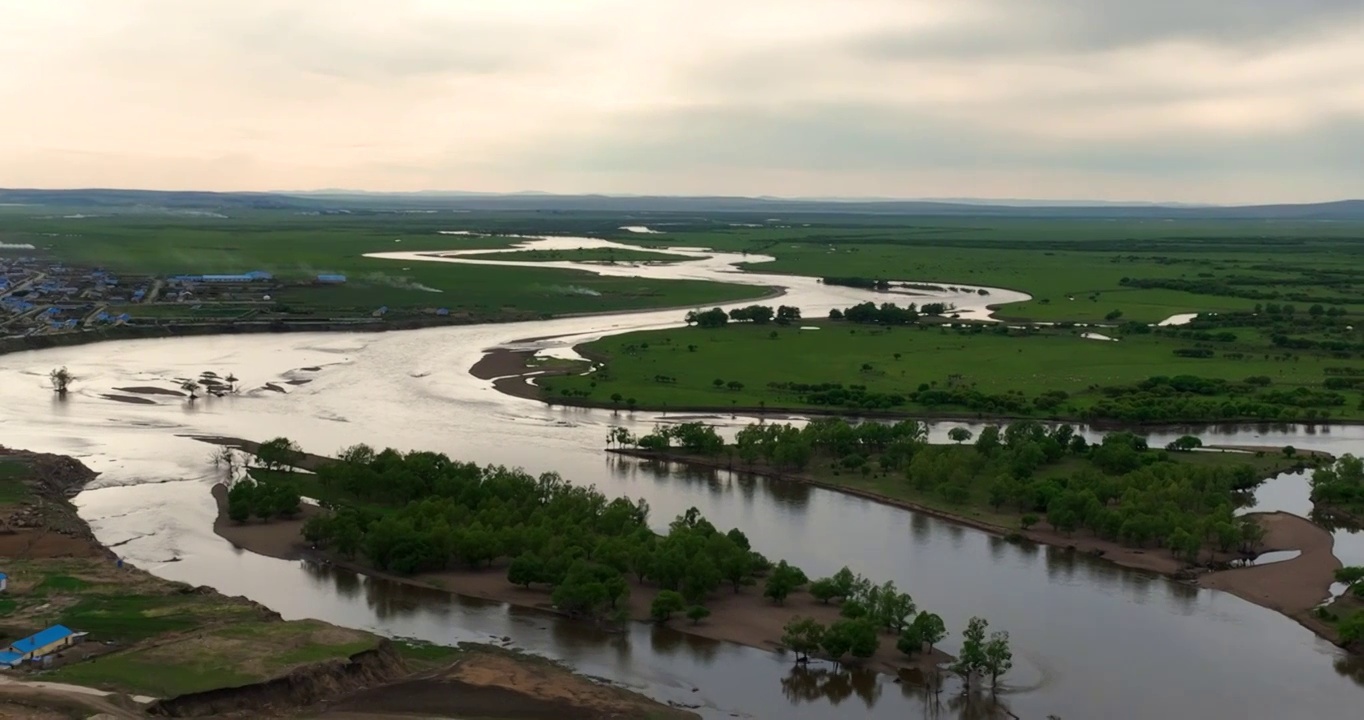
(322,200)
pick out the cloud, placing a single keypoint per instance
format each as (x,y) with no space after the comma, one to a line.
(1192,100)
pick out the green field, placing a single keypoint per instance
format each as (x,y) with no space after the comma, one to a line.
(1054,259)
(679,368)
(223,656)
(591,255)
(297,248)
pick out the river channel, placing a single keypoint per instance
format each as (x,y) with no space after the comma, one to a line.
(1091,640)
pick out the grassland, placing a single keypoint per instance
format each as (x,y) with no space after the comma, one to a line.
(296,248)
(1055,260)
(589,255)
(222,656)
(679,368)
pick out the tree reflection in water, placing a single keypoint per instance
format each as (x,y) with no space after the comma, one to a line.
(939,697)
(805,684)
(1351,666)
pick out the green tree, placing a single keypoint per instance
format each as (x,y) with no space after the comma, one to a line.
(971,658)
(824,590)
(959,435)
(280,453)
(1351,629)
(858,637)
(697,613)
(930,627)
(1353,578)
(782,581)
(910,642)
(665,604)
(239,500)
(803,636)
(527,568)
(998,658)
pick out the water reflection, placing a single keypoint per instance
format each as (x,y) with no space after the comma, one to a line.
(807,684)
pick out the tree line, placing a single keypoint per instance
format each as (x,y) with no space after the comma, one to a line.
(756,314)
(1118,489)
(1339,487)
(418,512)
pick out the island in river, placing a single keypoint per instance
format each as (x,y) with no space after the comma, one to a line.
(156,647)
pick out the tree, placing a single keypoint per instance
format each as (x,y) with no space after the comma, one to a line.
(239,501)
(971,659)
(910,641)
(930,627)
(1353,577)
(959,435)
(61,380)
(1351,629)
(697,613)
(1289,451)
(988,441)
(527,568)
(824,590)
(998,658)
(279,454)
(665,604)
(191,387)
(1185,443)
(803,636)
(782,581)
(858,637)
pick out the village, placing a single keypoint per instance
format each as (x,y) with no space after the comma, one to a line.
(40,297)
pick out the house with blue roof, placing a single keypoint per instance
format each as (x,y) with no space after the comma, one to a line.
(39,644)
(4,582)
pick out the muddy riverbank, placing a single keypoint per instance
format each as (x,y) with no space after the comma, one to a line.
(1292,587)
(745,618)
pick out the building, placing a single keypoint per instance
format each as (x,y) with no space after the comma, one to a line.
(51,640)
(4,582)
(331,279)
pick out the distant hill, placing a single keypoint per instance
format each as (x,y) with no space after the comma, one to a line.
(1344,210)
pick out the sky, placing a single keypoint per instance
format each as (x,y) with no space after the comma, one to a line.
(1223,101)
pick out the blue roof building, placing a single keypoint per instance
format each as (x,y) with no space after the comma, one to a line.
(10,659)
(331,278)
(48,641)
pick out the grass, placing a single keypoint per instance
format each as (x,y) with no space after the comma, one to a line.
(296,248)
(13,489)
(1056,259)
(592,255)
(866,355)
(225,656)
(128,618)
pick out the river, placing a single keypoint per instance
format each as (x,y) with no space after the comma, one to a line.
(1091,640)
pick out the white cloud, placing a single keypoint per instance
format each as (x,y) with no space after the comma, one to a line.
(1163,99)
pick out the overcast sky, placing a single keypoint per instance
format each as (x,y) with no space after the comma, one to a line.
(1190,100)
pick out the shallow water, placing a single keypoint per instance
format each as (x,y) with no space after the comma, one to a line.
(1083,630)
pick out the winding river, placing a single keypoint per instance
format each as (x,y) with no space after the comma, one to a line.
(1091,640)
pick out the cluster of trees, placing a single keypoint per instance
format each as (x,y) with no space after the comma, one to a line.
(870,313)
(1249,287)
(1118,488)
(756,314)
(867,611)
(840,395)
(264,500)
(1339,487)
(420,511)
(1188,397)
(863,283)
